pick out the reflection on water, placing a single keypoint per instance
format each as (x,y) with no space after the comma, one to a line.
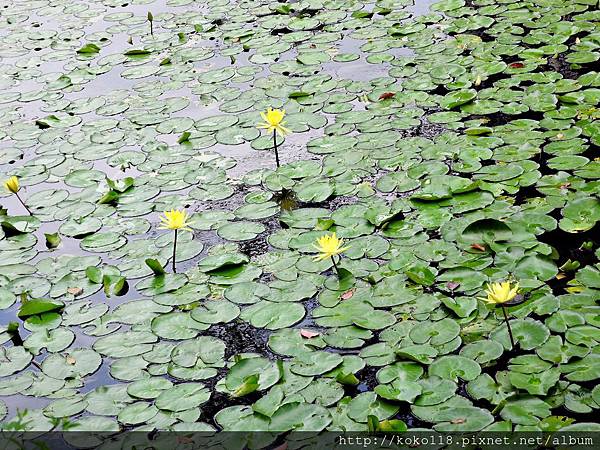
(286,200)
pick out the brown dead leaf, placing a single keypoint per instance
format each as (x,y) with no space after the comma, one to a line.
(516,65)
(184,440)
(71,360)
(387,95)
(76,291)
(452,285)
(565,185)
(308,334)
(479,247)
(348,294)
(283,446)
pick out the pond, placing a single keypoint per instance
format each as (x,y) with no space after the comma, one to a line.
(451,146)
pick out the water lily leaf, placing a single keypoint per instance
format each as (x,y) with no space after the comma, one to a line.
(463,419)
(53,340)
(137,52)
(103,242)
(580,215)
(289,342)
(246,292)
(148,388)
(273,316)
(403,371)
(7,298)
(39,306)
(162,284)
(78,228)
(89,49)
(220,311)
(482,351)
(458,98)
(582,335)
(249,385)
(585,369)
(399,391)
(268,374)
(346,337)
(182,397)
(108,400)
(535,383)
(208,350)
(222,261)
(435,390)
(525,411)
(452,367)
(554,350)
(241,418)
(53,240)
(121,345)
(589,276)
(12,225)
(177,326)
(240,231)
(461,306)
(528,333)
(436,333)
(299,416)
(13,360)
(93,424)
(315,363)
(367,404)
(76,364)
(66,407)
(137,413)
(155,266)
(420,353)
(421,275)
(114,285)
(536,266)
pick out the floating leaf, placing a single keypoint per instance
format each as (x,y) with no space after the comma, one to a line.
(155,266)
(53,240)
(39,306)
(89,49)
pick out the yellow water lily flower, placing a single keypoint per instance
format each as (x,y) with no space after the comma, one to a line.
(12,185)
(175,220)
(273,121)
(498,293)
(329,246)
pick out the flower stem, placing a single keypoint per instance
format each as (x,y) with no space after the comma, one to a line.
(512,339)
(337,269)
(275,147)
(174,251)
(23,203)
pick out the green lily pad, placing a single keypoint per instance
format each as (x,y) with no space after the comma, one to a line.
(182,397)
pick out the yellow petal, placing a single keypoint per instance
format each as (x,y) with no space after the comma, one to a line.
(12,184)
